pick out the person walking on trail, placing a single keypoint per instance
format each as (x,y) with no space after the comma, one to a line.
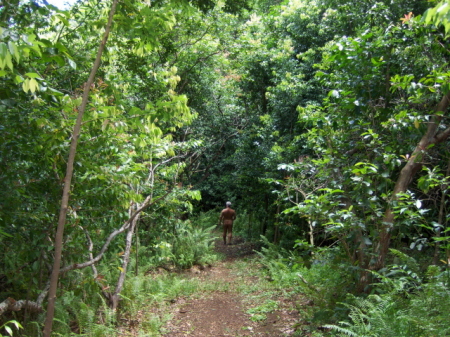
(227,216)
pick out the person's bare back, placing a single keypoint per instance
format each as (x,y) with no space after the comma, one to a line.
(227,217)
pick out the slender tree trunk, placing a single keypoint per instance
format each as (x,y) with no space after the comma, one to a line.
(249,232)
(441,217)
(266,217)
(414,164)
(311,232)
(136,269)
(114,298)
(364,275)
(68,180)
(276,235)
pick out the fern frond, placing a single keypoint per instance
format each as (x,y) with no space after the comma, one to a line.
(409,261)
(342,330)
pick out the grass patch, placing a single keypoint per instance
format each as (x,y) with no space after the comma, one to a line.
(259,313)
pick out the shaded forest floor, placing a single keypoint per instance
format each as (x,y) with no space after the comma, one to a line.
(233,300)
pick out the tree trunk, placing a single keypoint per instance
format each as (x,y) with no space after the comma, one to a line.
(136,269)
(68,179)
(266,217)
(249,232)
(6,306)
(441,217)
(311,231)
(413,165)
(276,234)
(114,297)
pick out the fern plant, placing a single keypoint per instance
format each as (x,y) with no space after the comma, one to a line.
(400,310)
(374,316)
(192,245)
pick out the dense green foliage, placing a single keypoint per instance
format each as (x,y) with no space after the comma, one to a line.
(324,122)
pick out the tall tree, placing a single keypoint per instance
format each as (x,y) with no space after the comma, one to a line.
(378,88)
(69,174)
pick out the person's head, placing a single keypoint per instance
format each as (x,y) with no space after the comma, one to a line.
(228,204)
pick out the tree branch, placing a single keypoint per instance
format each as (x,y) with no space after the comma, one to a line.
(11,304)
(442,136)
(147,202)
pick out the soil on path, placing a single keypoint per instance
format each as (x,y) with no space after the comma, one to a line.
(225,312)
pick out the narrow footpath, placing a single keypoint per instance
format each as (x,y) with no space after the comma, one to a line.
(229,309)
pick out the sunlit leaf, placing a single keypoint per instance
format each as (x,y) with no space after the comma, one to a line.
(14,51)
(33,85)
(72,63)
(3,50)
(8,60)
(32,75)
(26,85)
(8,330)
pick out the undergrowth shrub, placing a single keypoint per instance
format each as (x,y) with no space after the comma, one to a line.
(188,243)
(406,303)
(374,316)
(245,225)
(192,245)
(80,308)
(84,317)
(206,219)
(422,314)
(405,270)
(144,291)
(325,281)
(93,318)
(141,290)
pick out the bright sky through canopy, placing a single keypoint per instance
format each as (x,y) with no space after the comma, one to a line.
(61,4)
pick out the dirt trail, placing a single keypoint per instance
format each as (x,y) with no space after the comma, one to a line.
(224,312)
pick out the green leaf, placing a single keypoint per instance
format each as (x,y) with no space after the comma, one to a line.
(8,330)
(428,15)
(442,8)
(2,73)
(14,51)
(26,85)
(3,50)
(447,28)
(334,93)
(196,195)
(56,92)
(59,60)
(18,79)
(61,18)
(32,75)
(442,238)
(34,85)
(72,63)
(8,60)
